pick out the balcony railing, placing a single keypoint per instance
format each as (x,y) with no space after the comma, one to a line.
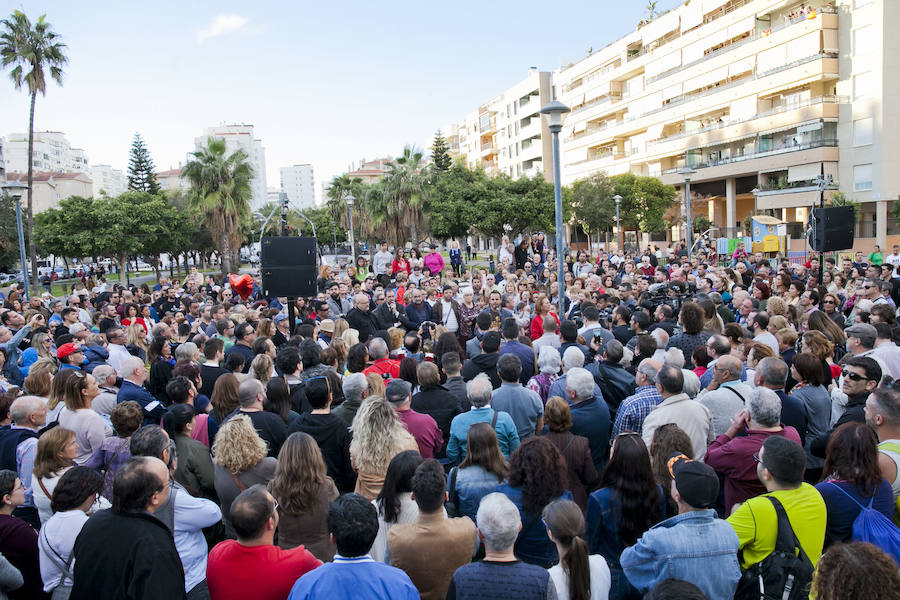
(768,113)
(828,143)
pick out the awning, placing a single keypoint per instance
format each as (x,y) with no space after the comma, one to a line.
(805,172)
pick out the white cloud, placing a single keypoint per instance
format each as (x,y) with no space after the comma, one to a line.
(221,25)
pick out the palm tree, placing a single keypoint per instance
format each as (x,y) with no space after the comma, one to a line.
(32,51)
(220,191)
(651,8)
(405,190)
(341,186)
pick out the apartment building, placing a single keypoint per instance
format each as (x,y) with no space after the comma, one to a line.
(370,171)
(506,134)
(757,98)
(51,187)
(241,136)
(52,152)
(171,179)
(108,181)
(298,182)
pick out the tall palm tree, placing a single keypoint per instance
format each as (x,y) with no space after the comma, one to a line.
(33,50)
(341,186)
(405,188)
(220,191)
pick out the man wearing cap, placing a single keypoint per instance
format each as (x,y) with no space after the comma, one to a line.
(780,467)
(282,330)
(326,330)
(70,356)
(693,546)
(423,428)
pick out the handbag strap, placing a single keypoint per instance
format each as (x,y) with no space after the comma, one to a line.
(454,495)
(861,507)
(240,484)
(44,488)
(736,392)
(64,565)
(494,419)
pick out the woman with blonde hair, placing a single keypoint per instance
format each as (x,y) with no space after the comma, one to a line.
(757,352)
(304,491)
(265,328)
(776,306)
(38,384)
(340,326)
(40,348)
(262,368)
(340,349)
(56,401)
(350,337)
(239,461)
(56,452)
(136,341)
(378,435)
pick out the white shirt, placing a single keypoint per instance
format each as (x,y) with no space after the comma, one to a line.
(769,340)
(382,262)
(600,579)
(449,317)
(117,353)
(56,540)
(892,259)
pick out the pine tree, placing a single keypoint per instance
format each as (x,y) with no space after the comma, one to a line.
(440,157)
(141,171)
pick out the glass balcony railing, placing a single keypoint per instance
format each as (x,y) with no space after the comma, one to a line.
(757,153)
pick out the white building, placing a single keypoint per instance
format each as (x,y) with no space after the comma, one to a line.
(299,184)
(240,136)
(52,153)
(273,195)
(108,181)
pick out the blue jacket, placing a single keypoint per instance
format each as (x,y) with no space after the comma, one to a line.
(472,484)
(415,316)
(130,391)
(95,356)
(525,354)
(590,418)
(507,436)
(603,520)
(695,546)
(532,545)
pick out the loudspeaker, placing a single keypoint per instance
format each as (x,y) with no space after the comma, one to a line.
(288,266)
(832,228)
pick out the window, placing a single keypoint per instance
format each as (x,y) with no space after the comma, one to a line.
(862,178)
(862,40)
(862,132)
(862,85)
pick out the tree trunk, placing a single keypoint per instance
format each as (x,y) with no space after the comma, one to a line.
(32,252)
(123,265)
(226,254)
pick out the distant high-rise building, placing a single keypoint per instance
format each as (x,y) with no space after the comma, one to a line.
(299,185)
(273,195)
(52,153)
(108,181)
(240,136)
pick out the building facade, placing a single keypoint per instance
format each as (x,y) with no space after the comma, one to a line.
(506,134)
(172,179)
(241,136)
(49,188)
(108,181)
(52,152)
(370,171)
(752,99)
(298,182)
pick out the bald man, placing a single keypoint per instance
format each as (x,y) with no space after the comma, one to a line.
(726,395)
(361,319)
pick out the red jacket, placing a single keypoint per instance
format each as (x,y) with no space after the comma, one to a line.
(385,368)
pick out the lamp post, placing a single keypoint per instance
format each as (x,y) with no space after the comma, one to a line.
(349,199)
(618,199)
(555,111)
(686,173)
(16,189)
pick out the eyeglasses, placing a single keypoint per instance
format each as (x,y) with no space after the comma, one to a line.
(854,376)
(327,381)
(757,459)
(828,302)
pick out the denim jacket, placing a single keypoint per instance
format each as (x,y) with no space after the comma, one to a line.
(695,546)
(472,484)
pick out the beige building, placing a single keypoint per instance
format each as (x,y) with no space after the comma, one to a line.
(371,171)
(506,134)
(172,179)
(758,97)
(50,188)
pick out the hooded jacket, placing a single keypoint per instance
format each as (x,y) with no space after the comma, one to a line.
(483,363)
(95,356)
(333,437)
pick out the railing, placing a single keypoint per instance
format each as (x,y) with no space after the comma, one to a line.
(829,143)
(768,113)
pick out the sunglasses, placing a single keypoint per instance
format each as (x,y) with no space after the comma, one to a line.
(828,302)
(854,376)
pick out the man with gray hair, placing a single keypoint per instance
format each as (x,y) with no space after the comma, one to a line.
(480,390)
(733,455)
(381,365)
(355,389)
(18,446)
(134,374)
(500,575)
(677,407)
(269,426)
(590,414)
(635,408)
(725,395)
(105,401)
(771,373)
(423,427)
(187,351)
(572,358)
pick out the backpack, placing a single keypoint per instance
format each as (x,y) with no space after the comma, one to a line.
(873,527)
(892,447)
(785,574)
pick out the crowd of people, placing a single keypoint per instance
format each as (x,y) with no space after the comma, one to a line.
(674,426)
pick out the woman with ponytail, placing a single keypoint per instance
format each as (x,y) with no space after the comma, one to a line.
(578,576)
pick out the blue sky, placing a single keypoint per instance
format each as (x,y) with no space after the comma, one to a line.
(327,83)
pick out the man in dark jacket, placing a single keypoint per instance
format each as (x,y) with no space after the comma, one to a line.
(330,432)
(417,311)
(512,345)
(486,362)
(862,377)
(360,319)
(435,400)
(615,382)
(387,311)
(136,549)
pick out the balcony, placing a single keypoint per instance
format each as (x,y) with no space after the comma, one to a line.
(827,143)
(487,149)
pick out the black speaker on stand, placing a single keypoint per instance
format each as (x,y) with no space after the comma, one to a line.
(288,266)
(832,228)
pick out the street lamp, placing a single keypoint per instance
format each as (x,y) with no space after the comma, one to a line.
(16,189)
(349,199)
(618,199)
(686,173)
(555,111)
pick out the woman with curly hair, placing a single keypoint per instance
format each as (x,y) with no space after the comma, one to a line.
(304,492)
(776,305)
(817,344)
(394,503)
(852,480)
(628,503)
(239,461)
(855,571)
(378,436)
(667,440)
(537,476)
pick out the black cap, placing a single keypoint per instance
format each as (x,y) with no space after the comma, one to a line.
(696,482)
